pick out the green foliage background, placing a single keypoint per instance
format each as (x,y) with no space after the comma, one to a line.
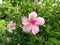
(49,33)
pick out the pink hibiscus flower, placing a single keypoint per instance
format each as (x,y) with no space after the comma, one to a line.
(11,26)
(31,23)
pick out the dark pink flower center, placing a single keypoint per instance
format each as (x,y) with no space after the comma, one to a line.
(32,21)
(11,26)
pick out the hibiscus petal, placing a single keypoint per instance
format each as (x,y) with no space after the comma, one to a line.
(24,20)
(26,28)
(35,29)
(32,15)
(40,21)
(13,28)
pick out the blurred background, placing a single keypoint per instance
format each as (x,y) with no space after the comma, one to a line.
(49,33)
